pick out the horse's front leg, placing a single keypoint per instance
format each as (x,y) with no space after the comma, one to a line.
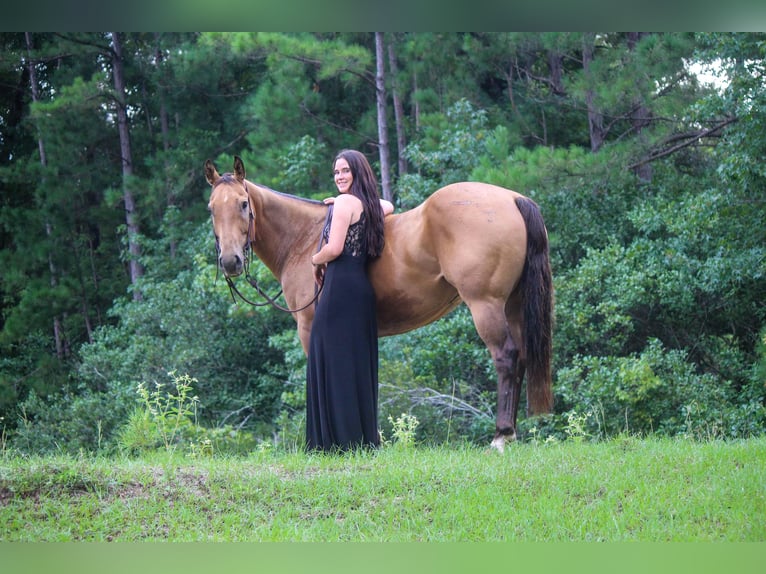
(304,320)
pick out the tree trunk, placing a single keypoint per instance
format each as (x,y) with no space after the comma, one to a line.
(134,248)
(380,92)
(62,349)
(416,104)
(556,71)
(641,116)
(165,131)
(401,136)
(595,118)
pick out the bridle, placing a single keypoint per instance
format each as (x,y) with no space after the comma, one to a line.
(247,253)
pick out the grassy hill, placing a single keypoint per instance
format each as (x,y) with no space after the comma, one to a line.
(627,489)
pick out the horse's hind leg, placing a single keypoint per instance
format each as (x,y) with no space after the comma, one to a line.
(510,371)
(492,326)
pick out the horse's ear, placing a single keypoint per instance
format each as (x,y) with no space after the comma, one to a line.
(211,174)
(239,168)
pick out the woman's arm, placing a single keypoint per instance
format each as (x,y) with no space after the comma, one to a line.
(343,211)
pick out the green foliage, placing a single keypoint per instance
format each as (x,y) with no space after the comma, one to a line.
(443,375)
(305,169)
(139,434)
(232,362)
(27,365)
(449,145)
(165,413)
(312,84)
(167,420)
(657,391)
(657,239)
(759,368)
(290,432)
(686,271)
(403,429)
(74,420)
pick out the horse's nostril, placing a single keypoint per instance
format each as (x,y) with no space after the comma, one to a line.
(231,264)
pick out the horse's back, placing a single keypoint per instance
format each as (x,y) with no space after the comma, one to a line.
(473,203)
(477,213)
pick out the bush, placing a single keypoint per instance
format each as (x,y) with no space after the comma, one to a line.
(450,146)
(78,420)
(189,324)
(167,419)
(443,375)
(185,322)
(657,391)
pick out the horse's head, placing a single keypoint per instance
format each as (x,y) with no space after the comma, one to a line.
(232,217)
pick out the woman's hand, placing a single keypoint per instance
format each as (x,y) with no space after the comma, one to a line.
(387,206)
(328,200)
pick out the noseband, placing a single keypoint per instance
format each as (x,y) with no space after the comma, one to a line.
(247,253)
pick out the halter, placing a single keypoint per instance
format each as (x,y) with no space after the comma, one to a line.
(246,266)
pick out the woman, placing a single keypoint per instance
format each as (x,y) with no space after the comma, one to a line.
(342,369)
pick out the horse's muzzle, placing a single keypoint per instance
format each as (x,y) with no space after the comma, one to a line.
(231,265)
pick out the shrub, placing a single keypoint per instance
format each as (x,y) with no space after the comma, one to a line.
(189,324)
(167,419)
(656,391)
(72,421)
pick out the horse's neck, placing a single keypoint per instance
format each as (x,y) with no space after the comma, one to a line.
(285,227)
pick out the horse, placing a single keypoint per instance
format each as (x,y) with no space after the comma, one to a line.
(470,242)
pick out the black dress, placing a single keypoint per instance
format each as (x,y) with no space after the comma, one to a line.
(342,368)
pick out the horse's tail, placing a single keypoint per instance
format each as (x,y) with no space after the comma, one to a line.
(537,295)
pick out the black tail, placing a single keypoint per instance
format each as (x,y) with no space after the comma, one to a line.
(537,294)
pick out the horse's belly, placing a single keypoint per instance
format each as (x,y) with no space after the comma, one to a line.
(402,311)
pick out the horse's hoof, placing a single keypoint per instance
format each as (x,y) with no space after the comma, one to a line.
(498,444)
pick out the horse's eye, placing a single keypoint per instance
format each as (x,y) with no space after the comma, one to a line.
(244,206)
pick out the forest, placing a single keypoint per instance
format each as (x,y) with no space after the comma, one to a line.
(645,152)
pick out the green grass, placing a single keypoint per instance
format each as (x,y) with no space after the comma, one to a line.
(626,489)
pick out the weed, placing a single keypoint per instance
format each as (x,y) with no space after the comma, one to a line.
(576,426)
(404,428)
(162,417)
(201,448)
(536,437)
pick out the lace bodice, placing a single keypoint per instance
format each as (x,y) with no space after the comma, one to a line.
(355,238)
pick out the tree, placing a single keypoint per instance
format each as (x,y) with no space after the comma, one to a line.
(401,132)
(596,128)
(380,94)
(126,157)
(58,274)
(62,347)
(654,212)
(60,223)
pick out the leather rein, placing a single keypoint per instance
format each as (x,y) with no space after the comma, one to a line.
(247,253)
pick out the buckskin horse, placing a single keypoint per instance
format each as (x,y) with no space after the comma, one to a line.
(472,242)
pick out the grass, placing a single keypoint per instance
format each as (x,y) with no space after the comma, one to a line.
(627,489)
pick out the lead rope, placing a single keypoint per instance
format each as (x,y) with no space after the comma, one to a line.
(254,283)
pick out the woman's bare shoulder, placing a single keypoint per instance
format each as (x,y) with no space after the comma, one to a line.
(348,199)
(349,203)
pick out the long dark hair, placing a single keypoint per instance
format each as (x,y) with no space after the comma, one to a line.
(365,188)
